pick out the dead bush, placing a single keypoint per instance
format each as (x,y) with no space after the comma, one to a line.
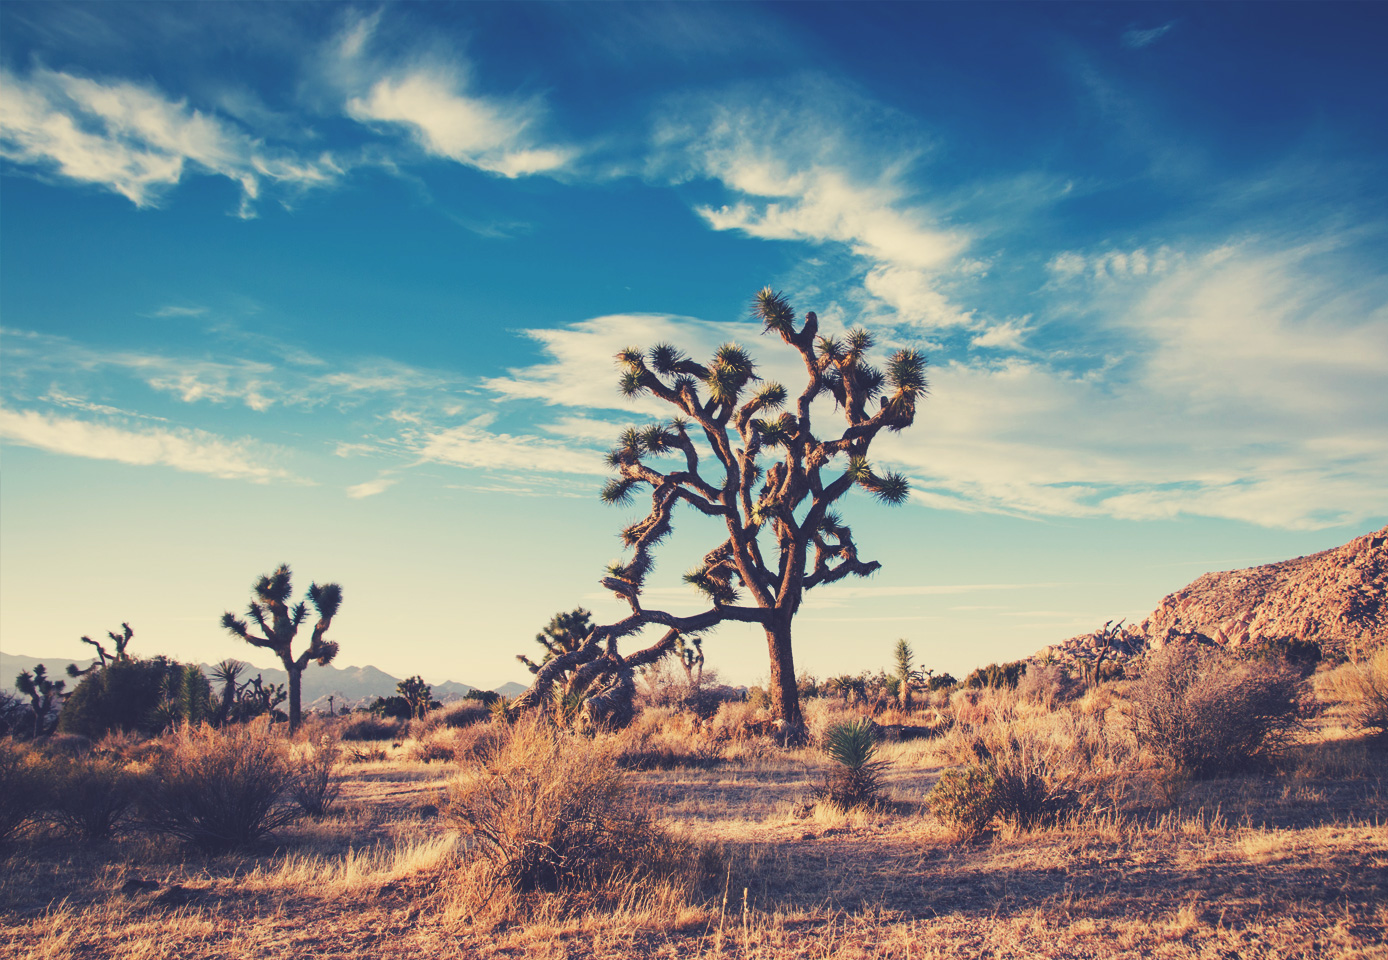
(368,726)
(91,796)
(1049,684)
(1204,712)
(1361,689)
(660,738)
(315,784)
(220,790)
(553,812)
(1033,784)
(24,788)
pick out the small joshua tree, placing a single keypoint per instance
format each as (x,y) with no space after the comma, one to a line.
(227,673)
(418,696)
(782,536)
(43,693)
(121,640)
(279,624)
(905,673)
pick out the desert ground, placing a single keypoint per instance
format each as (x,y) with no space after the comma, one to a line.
(1288,860)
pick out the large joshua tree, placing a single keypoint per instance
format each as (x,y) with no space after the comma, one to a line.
(744,458)
(279,625)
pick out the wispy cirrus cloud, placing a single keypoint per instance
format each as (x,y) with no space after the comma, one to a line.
(428,96)
(475,445)
(1135,38)
(191,451)
(135,140)
(295,379)
(798,171)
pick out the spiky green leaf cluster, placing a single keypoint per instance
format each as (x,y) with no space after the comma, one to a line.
(714,587)
(774,311)
(777,432)
(617,490)
(850,743)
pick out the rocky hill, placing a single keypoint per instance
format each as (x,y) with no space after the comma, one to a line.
(1337,598)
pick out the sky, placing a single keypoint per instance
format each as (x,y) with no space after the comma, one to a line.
(340,286)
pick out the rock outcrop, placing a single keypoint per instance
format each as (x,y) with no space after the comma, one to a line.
(1337,598)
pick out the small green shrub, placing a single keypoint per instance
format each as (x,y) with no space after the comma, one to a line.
(965,800)
(997,675)
(220,790)
(130,695)
(856,780)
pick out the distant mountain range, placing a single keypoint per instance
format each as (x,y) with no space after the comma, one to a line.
(348,686)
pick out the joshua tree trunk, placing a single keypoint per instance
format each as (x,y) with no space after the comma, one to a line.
(785,695)
(296,675)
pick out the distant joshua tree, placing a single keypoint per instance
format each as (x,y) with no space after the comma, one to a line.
(279,624)
(105,658)
(43,694)
(781,536)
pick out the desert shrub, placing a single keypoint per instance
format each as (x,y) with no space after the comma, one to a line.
(220,790)
(549,811)
(856,778)
(1302,655)
(823,714)
(130,695)
(91,796)
(367,726)
(455,716)
(663,739)
(965,800)
(1032,784)
(941,681)
(1048,684)
(436,746)
(1203,712)
(484,697)
(464,713)
(367,754)
(1361,689)
(997,675)
(738,721)
(315,784)
(24,788)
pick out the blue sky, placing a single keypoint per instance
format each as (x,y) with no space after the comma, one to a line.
(340,286)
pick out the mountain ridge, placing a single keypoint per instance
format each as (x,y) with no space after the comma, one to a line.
(348,686)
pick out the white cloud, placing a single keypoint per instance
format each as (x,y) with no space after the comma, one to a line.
(305,381)
(429,98)
(796,167)
(370,488)
(134,140)
(471,445)
(192,451)
(1252,391)
(1247,386)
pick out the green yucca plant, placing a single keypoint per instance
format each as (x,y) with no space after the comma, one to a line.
(857,780)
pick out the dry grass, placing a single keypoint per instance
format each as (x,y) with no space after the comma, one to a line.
(1292,863)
